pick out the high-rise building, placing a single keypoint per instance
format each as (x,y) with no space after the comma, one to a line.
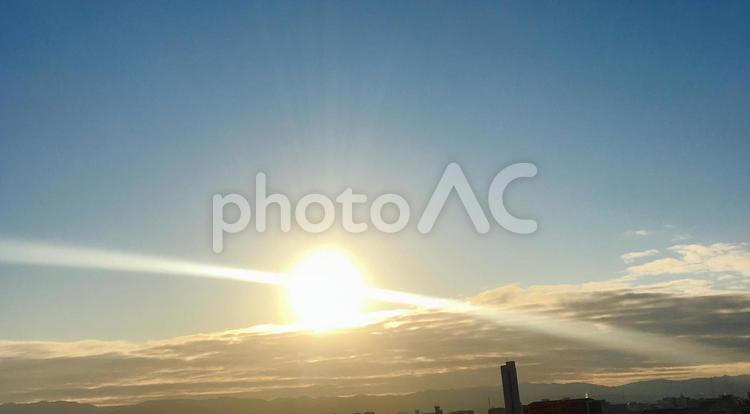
(510,388)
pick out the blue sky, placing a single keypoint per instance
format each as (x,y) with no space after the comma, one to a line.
(119,121)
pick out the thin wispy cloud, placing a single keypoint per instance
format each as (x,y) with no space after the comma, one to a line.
(699,259)
(681,237)
(638,232)
(633,256)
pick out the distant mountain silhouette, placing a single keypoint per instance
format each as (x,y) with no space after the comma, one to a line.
(451,399)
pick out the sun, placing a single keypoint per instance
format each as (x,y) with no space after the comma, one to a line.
(326,291)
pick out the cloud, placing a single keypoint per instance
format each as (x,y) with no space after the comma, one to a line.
(633,256)
(407,352)
(698,259)
(638,232)
(681,237)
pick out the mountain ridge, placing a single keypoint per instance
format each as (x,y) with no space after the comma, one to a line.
(474,398)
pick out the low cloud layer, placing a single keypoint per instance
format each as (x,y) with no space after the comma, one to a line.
(403,353)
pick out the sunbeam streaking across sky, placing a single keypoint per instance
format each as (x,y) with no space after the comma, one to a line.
(39,254)
(316,316)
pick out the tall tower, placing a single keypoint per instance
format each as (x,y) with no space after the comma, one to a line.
(510,388)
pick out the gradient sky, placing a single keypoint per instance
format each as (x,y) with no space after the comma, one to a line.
(120,120)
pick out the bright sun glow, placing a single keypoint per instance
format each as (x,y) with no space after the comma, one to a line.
(326,291)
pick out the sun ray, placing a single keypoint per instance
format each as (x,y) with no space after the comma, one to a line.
(624,340)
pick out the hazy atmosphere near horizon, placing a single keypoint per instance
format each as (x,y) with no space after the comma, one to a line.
(282,199)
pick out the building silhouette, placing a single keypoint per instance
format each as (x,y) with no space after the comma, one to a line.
(567,406)
(510,388)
